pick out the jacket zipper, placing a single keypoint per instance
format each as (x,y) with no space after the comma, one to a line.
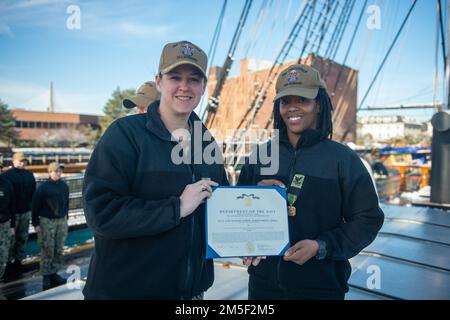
(291,171)
(188,282)
(291,175)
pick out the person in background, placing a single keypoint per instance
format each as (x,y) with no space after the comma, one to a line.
(7,220)
(145,96)
(24,185)
(50,209)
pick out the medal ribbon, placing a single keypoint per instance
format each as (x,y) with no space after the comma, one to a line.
(292,198)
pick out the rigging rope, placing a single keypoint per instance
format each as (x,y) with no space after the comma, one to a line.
(382,65)
(213,102)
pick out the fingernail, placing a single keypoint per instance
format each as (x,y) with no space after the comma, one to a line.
(287,253)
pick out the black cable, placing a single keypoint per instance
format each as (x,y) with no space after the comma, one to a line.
(341,69)
(319,18)
(307,35)
(382,64)
(290,39)
(240,26)
(325,24)
(213,102)
(350,10)
(324,12)
(339,32)
(444,52)
(387,54)
(213,46)
(216,36)
(260,17)
(261,95)
(336,31)
(350,45)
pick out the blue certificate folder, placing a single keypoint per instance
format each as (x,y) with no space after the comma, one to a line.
(212,254)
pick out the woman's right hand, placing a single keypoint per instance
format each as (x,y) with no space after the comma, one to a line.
(194,194)
(271,182)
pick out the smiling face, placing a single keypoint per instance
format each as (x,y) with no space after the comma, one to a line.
(299,114)
(181,89)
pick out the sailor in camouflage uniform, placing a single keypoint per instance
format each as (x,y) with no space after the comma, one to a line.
(24,185)
(6,219)
(50,208)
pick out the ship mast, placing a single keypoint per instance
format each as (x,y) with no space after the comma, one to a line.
(447,69)
(440,173)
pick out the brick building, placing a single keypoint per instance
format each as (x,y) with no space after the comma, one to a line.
(238,93)
(33,124)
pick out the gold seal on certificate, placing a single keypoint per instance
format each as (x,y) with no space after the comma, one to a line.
(250,247)
(246,221)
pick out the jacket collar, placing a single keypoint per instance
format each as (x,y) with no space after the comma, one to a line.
(308,138)
(156,125)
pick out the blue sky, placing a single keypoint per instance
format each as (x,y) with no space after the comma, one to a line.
(119,44)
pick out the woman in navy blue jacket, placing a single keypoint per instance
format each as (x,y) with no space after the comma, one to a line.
(333,207)
(146,206)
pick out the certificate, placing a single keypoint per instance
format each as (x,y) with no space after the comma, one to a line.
(246,222)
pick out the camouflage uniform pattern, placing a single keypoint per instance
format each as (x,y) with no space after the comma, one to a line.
(19,240)
(51,240)
(4,245)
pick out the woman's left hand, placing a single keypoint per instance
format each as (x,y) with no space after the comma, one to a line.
(302,251)
(247,261)
(271,182)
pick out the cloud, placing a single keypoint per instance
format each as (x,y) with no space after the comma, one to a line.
(33,14)
(99,20)
(6,30)
(75,102)
(15,94)
(35,97)
(36,3)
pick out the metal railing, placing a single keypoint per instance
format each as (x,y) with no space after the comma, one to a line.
(46,159)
